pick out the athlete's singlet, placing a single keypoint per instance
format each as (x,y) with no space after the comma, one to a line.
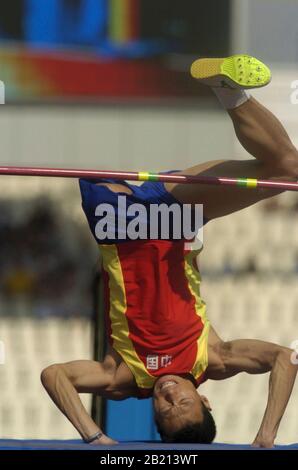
(156,318)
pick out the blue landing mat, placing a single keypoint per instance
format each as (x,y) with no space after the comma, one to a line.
(11,444)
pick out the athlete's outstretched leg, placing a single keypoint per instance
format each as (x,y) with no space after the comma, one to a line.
(260,133)
(263,136)
(257,129)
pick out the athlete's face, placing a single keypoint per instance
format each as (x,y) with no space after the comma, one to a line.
(177,403)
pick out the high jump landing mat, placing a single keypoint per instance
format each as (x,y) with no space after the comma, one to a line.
(14,445)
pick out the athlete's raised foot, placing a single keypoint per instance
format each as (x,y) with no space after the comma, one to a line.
(237,71)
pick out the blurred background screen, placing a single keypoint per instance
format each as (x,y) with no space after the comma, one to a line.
(107,48)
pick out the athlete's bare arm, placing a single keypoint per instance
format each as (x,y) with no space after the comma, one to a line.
(63,382)
(258,357)
(264,137)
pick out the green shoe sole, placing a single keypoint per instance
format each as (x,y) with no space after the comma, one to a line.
(237,71)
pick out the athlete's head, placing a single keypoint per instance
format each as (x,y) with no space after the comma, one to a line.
(181,414)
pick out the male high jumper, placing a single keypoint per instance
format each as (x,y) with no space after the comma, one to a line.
(161,343)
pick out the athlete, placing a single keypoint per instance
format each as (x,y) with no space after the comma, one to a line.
(161,343)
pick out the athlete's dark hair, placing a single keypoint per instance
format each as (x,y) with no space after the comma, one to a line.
(202,432)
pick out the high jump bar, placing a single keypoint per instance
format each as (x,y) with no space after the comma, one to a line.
(251,183)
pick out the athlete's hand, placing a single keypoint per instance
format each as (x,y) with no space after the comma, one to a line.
(265,442)
(104,441)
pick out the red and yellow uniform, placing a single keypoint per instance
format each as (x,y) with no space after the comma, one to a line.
(157,319)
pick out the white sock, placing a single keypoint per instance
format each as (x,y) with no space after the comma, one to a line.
(231,98)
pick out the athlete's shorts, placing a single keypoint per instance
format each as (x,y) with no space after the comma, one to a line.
(102,204)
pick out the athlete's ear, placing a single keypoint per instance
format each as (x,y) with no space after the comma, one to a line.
(206,402)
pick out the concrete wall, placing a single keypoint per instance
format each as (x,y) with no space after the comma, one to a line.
(112,137)
(267,28)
